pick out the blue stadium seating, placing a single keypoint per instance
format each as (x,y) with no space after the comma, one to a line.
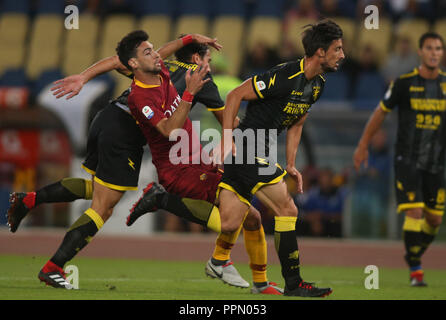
(229,8)
(193,7)
(370,87)
(337,86)
(44,79)
(269,8)
(154,7)
(50,7)
(15,6)
(13,78)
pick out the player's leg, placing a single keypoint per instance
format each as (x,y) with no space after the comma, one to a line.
(65,190)
(256,247)
(80,234)
(412,244)
(276,197)
(408,182)
(434,199)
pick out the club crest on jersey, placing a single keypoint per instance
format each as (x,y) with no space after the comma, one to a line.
(261,85)
(147,112)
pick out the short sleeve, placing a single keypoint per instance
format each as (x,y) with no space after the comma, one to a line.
(210,97)
(144,112)
(273,83)
(393,96)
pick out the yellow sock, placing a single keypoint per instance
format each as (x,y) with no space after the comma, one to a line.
(95,217)
(255,244)
(224,244)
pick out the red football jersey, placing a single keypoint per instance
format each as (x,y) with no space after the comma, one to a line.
(149,104)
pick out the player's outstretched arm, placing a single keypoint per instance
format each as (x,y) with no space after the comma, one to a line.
(245,91)
(361,153)
(293,136)
(72,85)
(171,47)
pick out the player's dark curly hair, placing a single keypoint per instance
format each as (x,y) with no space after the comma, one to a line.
(320,35)
(429,35)
(186,52)
(126,48)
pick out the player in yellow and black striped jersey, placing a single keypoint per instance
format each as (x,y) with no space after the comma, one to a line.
(420,97)
(278,100)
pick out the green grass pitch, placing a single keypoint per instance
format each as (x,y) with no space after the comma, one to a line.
(109,279)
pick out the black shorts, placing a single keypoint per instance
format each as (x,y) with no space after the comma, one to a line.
(417,188)
(245,179)
(114,149)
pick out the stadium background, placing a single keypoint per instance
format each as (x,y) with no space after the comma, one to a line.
(43,139)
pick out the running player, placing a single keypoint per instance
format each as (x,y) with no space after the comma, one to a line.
(70,189)
(114,157)
(419,160)
(278,99)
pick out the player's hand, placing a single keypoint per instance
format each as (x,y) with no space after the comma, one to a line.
(70,86)
(295,174)
(194,81)
(206,40)
(361,155)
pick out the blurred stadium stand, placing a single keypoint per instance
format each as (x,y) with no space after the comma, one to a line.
(37,49)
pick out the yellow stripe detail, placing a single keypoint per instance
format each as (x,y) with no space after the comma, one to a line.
(214,221)
(405,206)
(255,87)
(301,70)
(411,224)
(284,224)
(217,109)
(323,79)
(228,187)
(95,217)
(261,184)
(434,211)
(410,74)
(145,86)
(88,190)
(88,170)
(113,186)
(383,107)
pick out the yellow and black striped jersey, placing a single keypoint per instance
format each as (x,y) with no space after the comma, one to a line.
(284,96)
(208,95)
(421,134)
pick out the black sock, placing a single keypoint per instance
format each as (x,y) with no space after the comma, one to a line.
(218,262)
(66,190)
(197,211)
(412,243)
(77,237)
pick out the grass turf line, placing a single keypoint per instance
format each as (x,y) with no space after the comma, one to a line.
(109,279)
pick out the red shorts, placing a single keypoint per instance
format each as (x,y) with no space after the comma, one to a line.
(196,181)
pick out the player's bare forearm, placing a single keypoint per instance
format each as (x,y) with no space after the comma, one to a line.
(173,46)
(103,66)
(176,121)
(293,136)
(170,48)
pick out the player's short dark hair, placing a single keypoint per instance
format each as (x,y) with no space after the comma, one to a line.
(320,35)
(126,48)
(429,35)
(186,52)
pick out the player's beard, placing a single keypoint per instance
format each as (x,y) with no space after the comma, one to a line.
(154,70)
(326,68)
